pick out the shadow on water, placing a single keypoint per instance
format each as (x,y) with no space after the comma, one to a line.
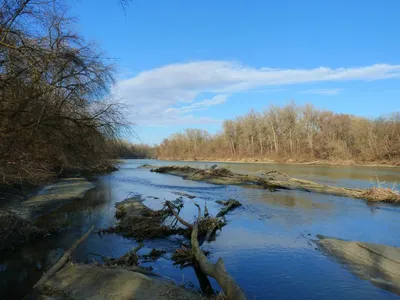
(267,244)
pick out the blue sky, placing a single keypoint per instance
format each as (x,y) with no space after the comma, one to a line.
(193,64)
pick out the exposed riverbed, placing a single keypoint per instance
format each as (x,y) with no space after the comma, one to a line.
(267,246)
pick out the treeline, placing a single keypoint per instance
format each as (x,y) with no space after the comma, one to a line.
(55,111)
(292,132)
(123,149)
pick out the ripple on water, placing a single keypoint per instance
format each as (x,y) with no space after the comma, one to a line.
(267,245)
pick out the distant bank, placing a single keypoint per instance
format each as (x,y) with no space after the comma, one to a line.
(291,162)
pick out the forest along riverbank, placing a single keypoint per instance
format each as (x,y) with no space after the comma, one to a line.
(292,133)
(269,238)
(339,163)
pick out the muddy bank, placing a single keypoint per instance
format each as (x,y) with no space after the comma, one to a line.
(276,180)
(378,263)
(76,281)
(19,213)
(116,279)
(63,190)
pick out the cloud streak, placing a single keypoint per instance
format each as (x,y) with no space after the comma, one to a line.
(200,105)
(173,92)
(322,91)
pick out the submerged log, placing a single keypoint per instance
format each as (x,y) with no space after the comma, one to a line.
(229,205)
(278,180)
(63,260)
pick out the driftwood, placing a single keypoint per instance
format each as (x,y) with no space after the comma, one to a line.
(172,209)
(206,213)
(197,257)
(204,282)
(277,180)
(229,205)
(138,221)
(217,271)
(63,260)
(210,232)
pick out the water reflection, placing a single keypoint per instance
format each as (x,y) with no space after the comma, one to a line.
(267,244)
(295,201)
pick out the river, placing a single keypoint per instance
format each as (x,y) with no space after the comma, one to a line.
(268,244)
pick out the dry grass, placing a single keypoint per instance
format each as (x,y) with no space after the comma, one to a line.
(140,222)
(222,172)
(184,256)
(128,259)
(217,172)
(15,231)
(219,296)
(172,293)
(146,227)
(206,224)
(167,169)
(382,194)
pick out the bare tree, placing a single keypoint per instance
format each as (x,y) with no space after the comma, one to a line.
(294,132)
(55,110)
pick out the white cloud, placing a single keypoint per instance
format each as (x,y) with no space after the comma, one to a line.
(322,91)
(168,94)
(200,105)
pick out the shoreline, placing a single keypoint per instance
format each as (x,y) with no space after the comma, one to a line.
(305,163)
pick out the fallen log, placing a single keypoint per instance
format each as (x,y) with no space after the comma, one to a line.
(206,213)
(217,271)
(204,282)
(229,205)
(277,180)
(182,221)
(207,225)
(63,260)
(210,232)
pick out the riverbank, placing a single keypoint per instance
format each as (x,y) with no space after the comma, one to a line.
(20,208)
(339,163)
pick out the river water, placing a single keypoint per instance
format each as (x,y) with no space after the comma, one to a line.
(268,244)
